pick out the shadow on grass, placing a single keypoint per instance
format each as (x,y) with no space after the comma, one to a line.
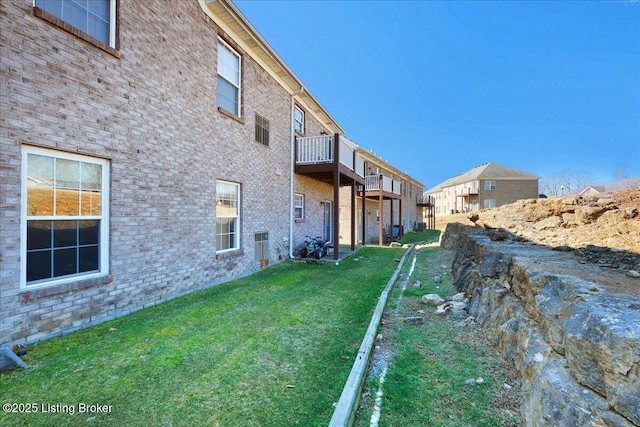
(274,348)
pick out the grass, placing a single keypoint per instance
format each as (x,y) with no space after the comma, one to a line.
(425,381)
(272,349)
(420,236)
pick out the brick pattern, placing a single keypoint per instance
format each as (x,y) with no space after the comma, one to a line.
(148,107)
(314,193)
(408,217)
(152,113)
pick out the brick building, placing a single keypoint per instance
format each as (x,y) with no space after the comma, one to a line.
(484,187)
(389,193)
(147,151)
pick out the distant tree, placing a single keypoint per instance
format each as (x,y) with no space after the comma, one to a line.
(621,173)
(561,183)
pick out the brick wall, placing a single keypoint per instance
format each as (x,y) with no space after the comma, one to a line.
(312,225)
(151,111)
(509,191)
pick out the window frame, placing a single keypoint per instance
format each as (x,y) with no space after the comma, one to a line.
(296,121)
(261,134)
(236,235)
(490,185)
(296,206)
(103,218)
(225,45)
(258,238)
(110,46)
(492,203)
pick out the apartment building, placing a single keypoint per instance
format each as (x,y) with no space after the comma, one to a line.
(150,149)
(390,200)
(484,187)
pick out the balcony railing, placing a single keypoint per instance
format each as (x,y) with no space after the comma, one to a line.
(372,183)
(425,200)
(313,150)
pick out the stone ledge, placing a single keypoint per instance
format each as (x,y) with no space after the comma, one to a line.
(575,342)
(30,295)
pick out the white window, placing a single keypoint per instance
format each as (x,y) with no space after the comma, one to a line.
(489,185)
(96,18)
(298,206)
(298,118)
(228,79)
(489,203)
(227,216)
(65,209)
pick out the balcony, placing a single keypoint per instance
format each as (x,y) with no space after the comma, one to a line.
(425,201)
(373,184)
(316,156)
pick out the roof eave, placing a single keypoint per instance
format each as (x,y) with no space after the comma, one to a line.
(367,155)
(229,17)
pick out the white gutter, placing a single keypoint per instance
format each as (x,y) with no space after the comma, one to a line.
(293,160)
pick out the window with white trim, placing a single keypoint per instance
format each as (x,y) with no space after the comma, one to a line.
(65,209)
(96,18)
(229,84)
(227,216)
(489,185)
(298,117)
(298,206)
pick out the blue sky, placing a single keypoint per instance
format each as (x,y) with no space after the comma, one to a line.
(439,87)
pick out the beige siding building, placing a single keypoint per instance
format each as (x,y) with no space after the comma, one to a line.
(487,186)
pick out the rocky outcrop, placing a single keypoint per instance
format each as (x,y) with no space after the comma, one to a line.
(577,345)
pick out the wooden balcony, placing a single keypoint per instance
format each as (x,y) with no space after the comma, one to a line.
(321,156)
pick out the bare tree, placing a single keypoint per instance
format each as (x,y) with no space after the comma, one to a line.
(621,173)
(566,182)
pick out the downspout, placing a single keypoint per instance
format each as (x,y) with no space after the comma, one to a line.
(293,141)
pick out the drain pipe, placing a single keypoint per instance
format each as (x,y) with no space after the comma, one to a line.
(293,153)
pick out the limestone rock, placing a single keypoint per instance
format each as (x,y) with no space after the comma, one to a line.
(431,299)
(458,297)
(576,345)
(551,222)
(589,214)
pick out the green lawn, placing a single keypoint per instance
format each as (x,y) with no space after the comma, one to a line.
(273,349)
(425,379)
(420,236)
